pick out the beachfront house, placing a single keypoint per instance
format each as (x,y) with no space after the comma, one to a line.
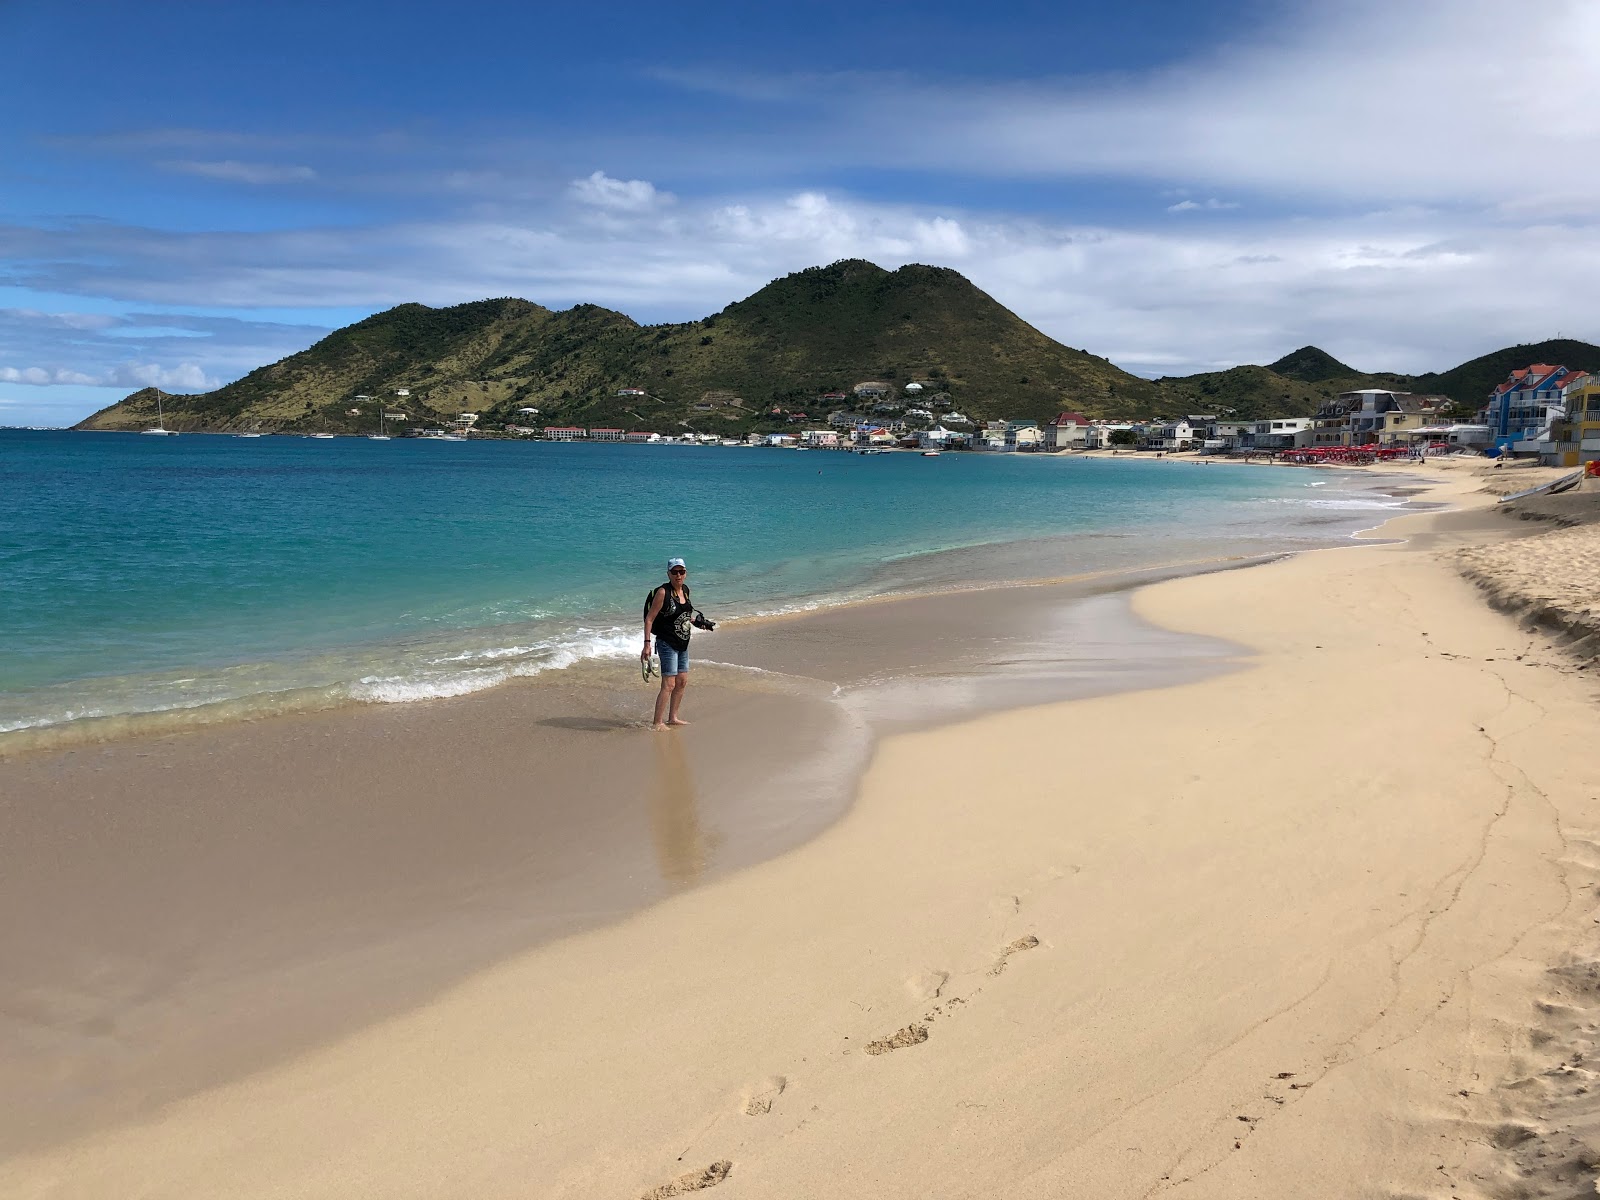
(1221,437)
(1330,425)
(602,434)
(1069,431)
(564,433)
(991,437)
(640,437)
(1575,439)
(1024,435)
(1280,433)
(779,439)
(1522,409)
(820,439)
(1169,436)
(1372,416)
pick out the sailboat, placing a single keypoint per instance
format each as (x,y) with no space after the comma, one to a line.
(160,429)
(254,431)
(383,434)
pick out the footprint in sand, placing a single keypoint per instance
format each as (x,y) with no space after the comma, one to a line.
(911,1035)
(758,1103)
(1016,947)
(929,985)
(693,1181)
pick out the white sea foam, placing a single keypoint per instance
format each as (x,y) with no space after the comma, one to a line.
(515,662)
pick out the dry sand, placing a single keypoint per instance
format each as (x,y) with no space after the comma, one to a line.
(1321,927)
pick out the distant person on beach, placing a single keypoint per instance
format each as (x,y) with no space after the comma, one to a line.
(669,618)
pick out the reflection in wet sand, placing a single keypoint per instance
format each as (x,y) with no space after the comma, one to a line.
(682,848)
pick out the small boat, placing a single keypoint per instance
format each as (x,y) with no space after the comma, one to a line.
(1554,488)
(320,436)
(383,434)
(247,435)
(160,429)
(930,454)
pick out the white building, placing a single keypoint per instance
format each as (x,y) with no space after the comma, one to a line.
(1069,431)
(820,439)
(1169,435)
(1281,433)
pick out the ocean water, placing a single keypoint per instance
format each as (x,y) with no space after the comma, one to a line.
(205,577)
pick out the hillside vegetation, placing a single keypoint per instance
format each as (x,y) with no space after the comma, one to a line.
(820,330)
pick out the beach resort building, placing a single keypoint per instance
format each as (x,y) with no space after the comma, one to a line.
(642,437)
(1526,404)
(820,439)
(606,435)
(564,433)
(1374,415)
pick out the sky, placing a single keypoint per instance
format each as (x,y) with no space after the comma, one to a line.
(190,189)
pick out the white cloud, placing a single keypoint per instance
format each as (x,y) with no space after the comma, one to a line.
(1364,100)
(626,195)
(184,377)
(33,375)
(232,171)
(1405,289)
(189,377)
(1211,205)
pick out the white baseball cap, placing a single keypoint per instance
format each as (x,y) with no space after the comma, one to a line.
(676,562)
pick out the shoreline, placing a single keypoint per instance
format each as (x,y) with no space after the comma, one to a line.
(182,1167)
(945,571)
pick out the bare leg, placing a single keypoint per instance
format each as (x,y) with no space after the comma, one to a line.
(677,698)
(659,721)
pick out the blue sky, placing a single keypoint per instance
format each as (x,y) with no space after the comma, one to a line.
(190,189)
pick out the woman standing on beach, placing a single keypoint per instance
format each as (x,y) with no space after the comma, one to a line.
(669,618)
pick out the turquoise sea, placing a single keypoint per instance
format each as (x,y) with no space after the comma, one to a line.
(203,576)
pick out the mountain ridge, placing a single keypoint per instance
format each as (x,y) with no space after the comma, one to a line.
(806,334)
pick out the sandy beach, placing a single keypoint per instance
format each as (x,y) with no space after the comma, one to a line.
(1315,919)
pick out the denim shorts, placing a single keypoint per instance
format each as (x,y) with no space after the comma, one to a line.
(673,662)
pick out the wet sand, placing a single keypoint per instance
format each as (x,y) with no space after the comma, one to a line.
(203,904)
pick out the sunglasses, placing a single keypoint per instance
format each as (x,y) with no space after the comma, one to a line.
(677,571)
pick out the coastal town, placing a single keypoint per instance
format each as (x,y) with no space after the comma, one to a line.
(1546,412)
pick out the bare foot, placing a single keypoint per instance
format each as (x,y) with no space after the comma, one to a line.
(659,728)
(677,721)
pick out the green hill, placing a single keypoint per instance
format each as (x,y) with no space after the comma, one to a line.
(819,330)
(1311,365)
(1252,392)
(1469,384)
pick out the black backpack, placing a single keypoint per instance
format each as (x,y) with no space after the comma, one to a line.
(650,598)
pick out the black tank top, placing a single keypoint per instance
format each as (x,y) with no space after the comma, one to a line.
(666,620)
